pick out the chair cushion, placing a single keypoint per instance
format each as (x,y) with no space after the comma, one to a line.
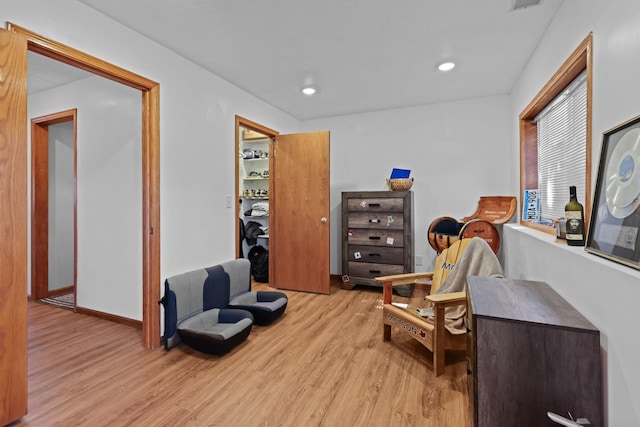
(239,271)
(266,306)
(216,331)
(193,302)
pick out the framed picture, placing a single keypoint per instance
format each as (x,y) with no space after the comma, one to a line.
(615,217)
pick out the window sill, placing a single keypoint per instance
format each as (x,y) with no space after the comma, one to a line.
(580,251)
(543,228)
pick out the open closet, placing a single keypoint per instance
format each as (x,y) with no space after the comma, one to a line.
(282,194)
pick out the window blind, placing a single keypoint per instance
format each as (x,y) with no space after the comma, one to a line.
(562,132)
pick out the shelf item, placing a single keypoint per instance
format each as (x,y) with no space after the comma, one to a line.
(254,185)
(377,236)
(251,135)
(258,210)
(529,352)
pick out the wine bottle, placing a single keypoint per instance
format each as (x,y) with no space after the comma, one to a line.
(574,215)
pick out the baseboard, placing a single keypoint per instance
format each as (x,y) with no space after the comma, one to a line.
(111,317)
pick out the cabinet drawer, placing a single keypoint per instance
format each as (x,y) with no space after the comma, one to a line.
(376,254)
(391,238)
(370,270)
(374,220)
(388,204)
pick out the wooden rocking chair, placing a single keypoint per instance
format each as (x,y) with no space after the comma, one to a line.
(431,333)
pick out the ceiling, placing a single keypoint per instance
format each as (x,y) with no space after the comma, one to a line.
(361,55)
(46,73)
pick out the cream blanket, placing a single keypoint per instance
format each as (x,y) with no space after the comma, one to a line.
(477,260)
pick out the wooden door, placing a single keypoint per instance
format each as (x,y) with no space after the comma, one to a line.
(13,227)
(40,203)
(299,231)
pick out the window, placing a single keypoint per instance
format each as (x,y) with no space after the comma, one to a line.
(555,140)
(562,141)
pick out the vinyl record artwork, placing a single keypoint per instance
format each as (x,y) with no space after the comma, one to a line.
(615,217)
(622,178)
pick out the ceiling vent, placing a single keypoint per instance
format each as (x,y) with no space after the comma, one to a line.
(523,4)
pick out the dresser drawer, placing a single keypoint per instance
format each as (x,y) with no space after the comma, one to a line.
(376,254)
(374,220)
(386,204)
(385,237)
(369,270)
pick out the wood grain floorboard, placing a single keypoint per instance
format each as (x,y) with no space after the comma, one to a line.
(322,364)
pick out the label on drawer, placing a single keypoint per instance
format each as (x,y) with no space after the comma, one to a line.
(390,241)
(390,220)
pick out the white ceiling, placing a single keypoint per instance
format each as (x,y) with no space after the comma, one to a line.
(362,55)
(46,73)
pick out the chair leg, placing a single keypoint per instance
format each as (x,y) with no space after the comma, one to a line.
(386,332)
(438,340)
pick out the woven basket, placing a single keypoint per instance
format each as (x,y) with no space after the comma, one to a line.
(400,184)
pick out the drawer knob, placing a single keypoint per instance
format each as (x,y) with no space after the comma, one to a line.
(323,220)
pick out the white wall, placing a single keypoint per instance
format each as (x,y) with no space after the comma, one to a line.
(61,205)
(456,152)
(109,181)
(197,153)
(604,292)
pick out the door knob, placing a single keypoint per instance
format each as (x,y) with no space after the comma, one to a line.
(323,220)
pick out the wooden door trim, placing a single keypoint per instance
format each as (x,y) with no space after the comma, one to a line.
(150,164)
(40,203)
(248,124)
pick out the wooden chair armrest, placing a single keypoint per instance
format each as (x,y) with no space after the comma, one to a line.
(388,282)
(405,279)
(450,299)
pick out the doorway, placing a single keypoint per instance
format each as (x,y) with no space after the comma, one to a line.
(265,163)
(150,92)
(298,202)
(53,207)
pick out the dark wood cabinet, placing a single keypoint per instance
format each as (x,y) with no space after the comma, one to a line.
(529,352)
(377,235)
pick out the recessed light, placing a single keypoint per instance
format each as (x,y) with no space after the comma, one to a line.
(446,66)
(308,90)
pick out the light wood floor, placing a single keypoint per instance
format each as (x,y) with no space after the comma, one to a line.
(322,364)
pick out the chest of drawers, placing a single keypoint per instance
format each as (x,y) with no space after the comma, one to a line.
(528,352)
(377,235)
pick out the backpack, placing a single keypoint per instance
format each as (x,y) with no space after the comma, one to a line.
(259,258)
